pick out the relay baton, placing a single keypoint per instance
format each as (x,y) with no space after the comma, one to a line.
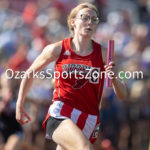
(110,57)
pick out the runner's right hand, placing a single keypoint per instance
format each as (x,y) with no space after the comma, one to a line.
(21,115)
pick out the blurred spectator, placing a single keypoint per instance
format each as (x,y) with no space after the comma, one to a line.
(10,130)
(18,61)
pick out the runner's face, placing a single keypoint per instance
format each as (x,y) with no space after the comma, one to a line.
(85,22)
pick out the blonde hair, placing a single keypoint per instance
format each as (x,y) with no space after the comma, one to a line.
(74,12)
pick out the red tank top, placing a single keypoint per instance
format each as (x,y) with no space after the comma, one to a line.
(79,85)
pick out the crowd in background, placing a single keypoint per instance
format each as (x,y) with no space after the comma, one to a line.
(27,26)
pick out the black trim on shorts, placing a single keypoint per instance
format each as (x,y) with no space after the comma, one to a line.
(51,125)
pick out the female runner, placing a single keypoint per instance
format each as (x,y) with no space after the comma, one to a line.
(73,117)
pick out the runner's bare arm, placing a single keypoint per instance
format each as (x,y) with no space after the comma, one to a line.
(104,55)
(49,54)
(118,85)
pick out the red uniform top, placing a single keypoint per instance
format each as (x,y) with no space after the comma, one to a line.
(80,84)
(78,89)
